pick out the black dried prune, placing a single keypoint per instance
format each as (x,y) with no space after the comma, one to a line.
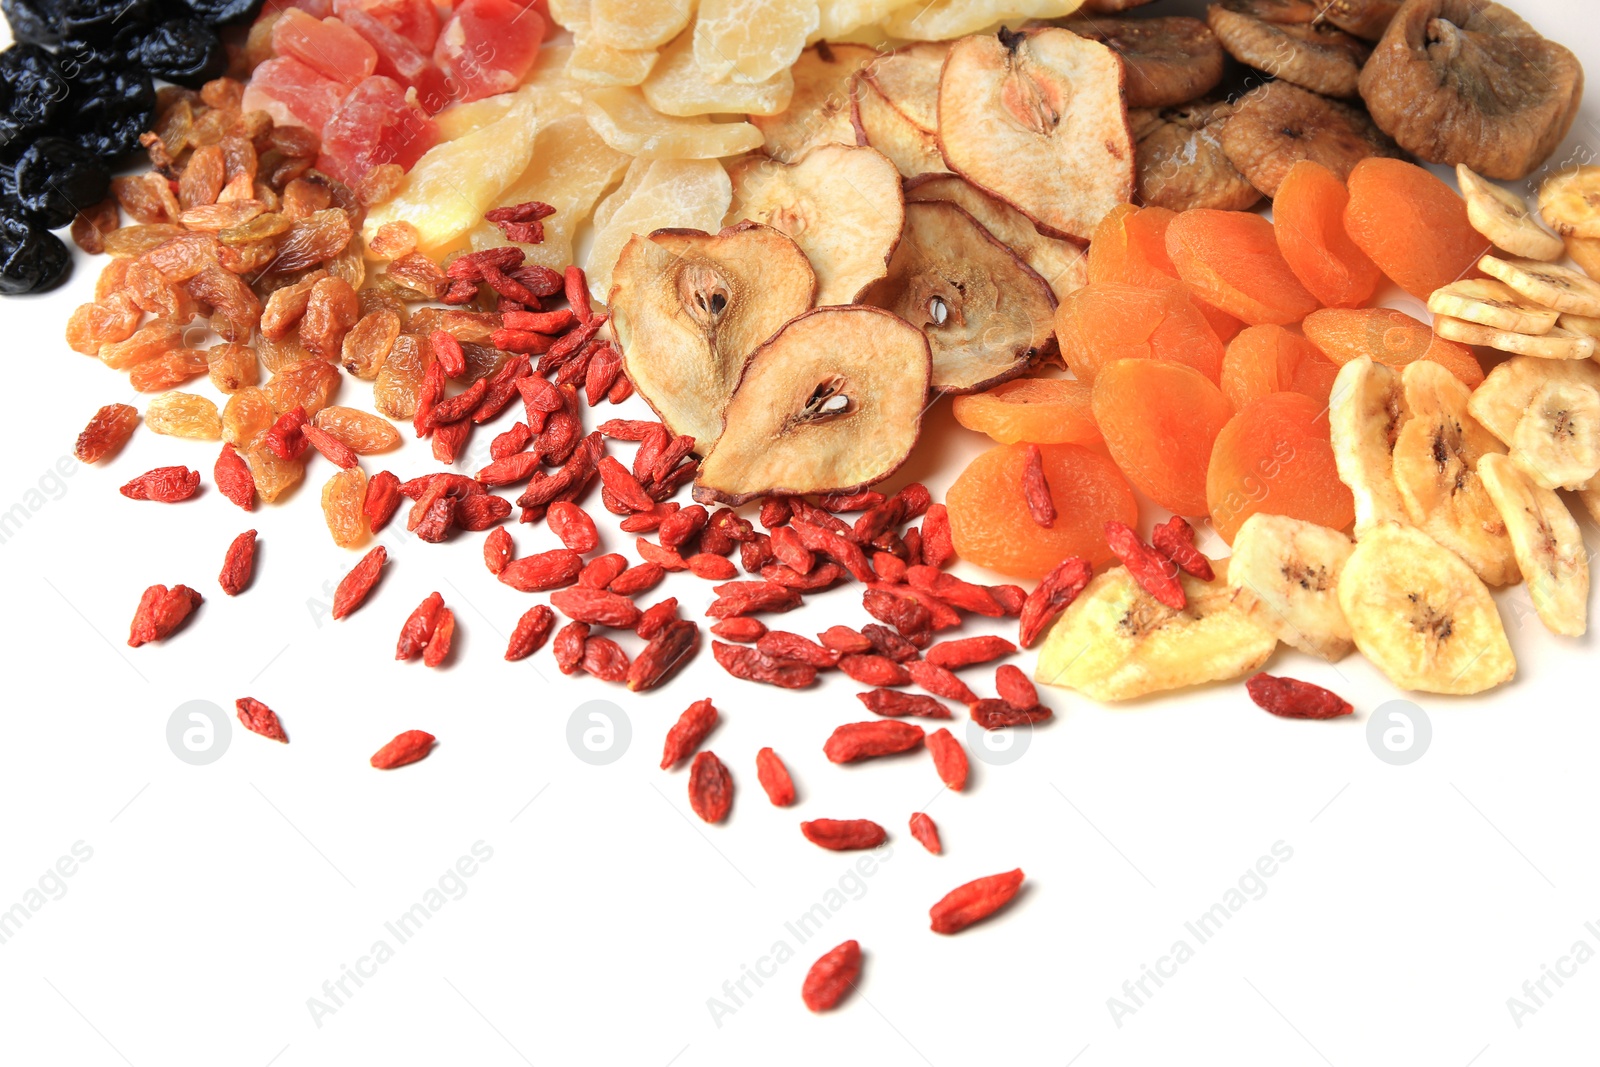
(224,12)
(56,178)
(111,102)
(34,21)
(33,91)
(32,259)
(182,51)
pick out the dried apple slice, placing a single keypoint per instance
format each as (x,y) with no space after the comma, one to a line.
(1038,119)
(819,110)
(629,124)
(1062,264)
(655,194)
(832,403)
(881,125)
(987,314)
(945,20)
(909,79)
(677,86)
(842,206)
(689,308)
(751,40)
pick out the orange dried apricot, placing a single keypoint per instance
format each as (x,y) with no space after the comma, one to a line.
(1308,218)
(1103,322)
(1274,456)
(1130,248)
(1390,337)
(1230,259)
(1271,359)
(992,527)
(1159,420)
(1044,411)
(1411,224)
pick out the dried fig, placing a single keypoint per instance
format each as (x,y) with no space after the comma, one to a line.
(1275,126)
(1168,60)
(1272,38)
(1181,162)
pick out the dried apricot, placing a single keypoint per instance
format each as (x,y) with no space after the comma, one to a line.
(1231,259)
(991,524)
(1308,217)
(1043,411)
(1104,322)
(1271,359)
(1390,337)
(1130,248)
(1411,224)
(1159,420)
(1274,457)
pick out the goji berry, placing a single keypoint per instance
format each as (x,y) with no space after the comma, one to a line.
(165,485)
(1175,540)
(844,835)
(233,478)
(774,778)
(832,976)
(940,681)
(602,570)
(547,570)
(752,666)
(692,727)
(870,669)
(260,719)
(844,640)
(740,628)
(746,598)
(896,705)
(497,549)
(531,632)
(781,644)
(638,579)
(383,500)
(161,611)
(867,740)
(568,646)
(1035,489)
(1052,596)
(438,646)
(978,899)
(604,659)
(665,654)
(1155,573)
(968,651)
(238,564)
(354,586)
(596,607)
(997,714)
(1293,699)
(925,831)
(710,788)
(656,618)
(406,748)
(949,759)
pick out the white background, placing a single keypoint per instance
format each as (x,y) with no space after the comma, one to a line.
(218,899)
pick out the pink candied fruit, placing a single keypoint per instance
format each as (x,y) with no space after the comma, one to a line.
(376,124)
(415,20)
(488,47)
(327,46)
(292,93)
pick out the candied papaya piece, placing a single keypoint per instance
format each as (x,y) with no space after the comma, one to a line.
(1272,359)
(1390,337)
(1308,218)
(1230,259)
(992,526)
(1041,411)
(1412,225)
(1159,420)
(1275,458)
(1104,322)
(1130,248)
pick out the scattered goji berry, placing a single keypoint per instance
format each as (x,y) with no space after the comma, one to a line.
(1293,699)
(604,659)
(1175,540)
(968,651)
(832,976)
(1052,596)
(354,586)
(978,899)
(740,628)
(893,704)
(949,759)
(664,655)
(870,669)
(774,778)
(1015,688)
(161,611)
(260,719)
(238,564)
(925,831)
(547,570)
(531,632)
(568,646)
(867,740)
(406,748)
(997,714)
(752,666)
(165,485)
(233,478)
(710,788)
(1155,573)
(844,835)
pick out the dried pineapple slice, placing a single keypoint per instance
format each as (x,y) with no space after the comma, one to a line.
(751,40)
(690,194)
(629,124)
(1549,546)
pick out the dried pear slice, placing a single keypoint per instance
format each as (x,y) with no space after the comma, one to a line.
(1367,19)
(1548,543)
(1421,616)
(1570,202)
(1117,642)
(1170,60)
(1181,161)
(1275,126)
(751,40)
(1508,390)
(656,194)
(1553,344)
(1549,284)
(1062,264)
(843,206)
(1491,303)
(1366,409)
(689,308)
(1285,574)
(1436,470)
(1467,81)
(629,124)
(945,20)
(909,79)
(987,315)
(677,86)
(819,109)
(1557,440)
(1316,57)
(1038,119)
(881,125)
(832,403)
(1503,217)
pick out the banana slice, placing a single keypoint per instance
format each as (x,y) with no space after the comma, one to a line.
(1557,440)
(1549,545)
(1555,343)
(1285,575)
(1116,641)
(1366,409)
(1570,202)
(1421,616)
(1548,284)
(1491,303)
(1435,468)
(1503,217)
(1506,394)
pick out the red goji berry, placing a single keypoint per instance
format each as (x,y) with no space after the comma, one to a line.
(889,703)
(568,646)
(604,659)
(161,611)
(949,759)
(968,651)
(260,719)
(752,666)
(544,571)
(238,564)
(1015,688)
(997,714)
(710,788)
(869,669)
(406,748)
(978,899)
(1175,540)
(867,740)
(354,586)
(740,628)
(1293,699)
(233,478)
(774,778)
(925,831)
(1052,596)
(596,607)
(666,653)
(832,976)
(165,485)
(531,632)
(692,727)
(844,835)
(781,644)
(602,570)
(1155,573)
